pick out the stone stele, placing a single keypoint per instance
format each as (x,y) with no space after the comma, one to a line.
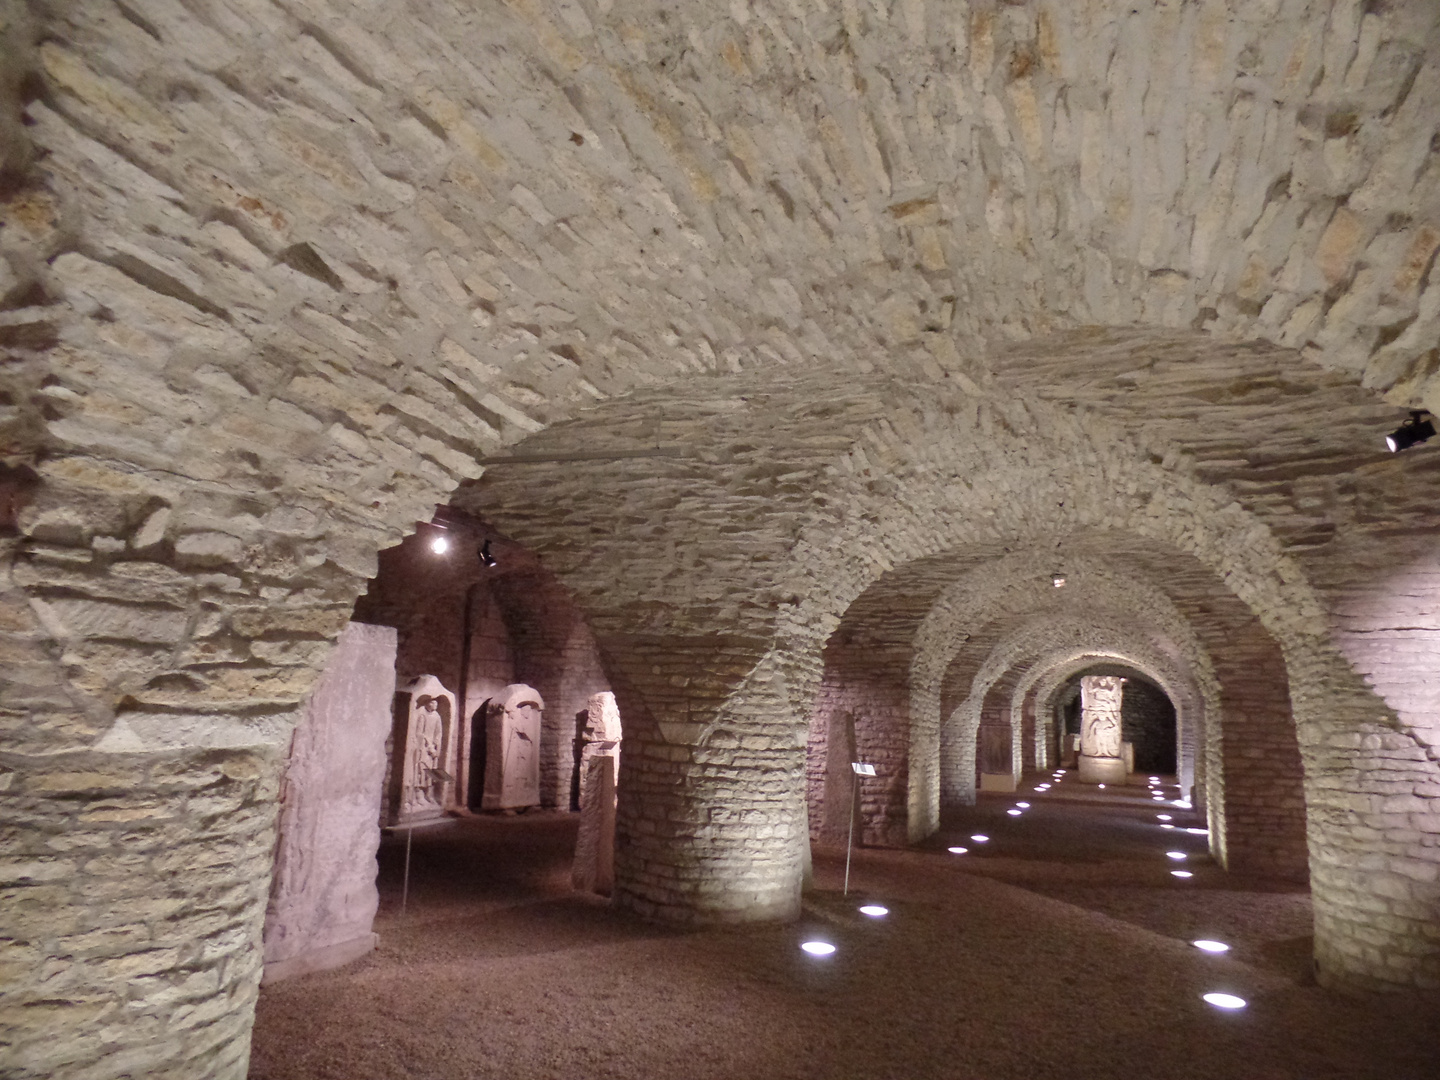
(512,757)
(1101,752)
(422,778)
(323,897)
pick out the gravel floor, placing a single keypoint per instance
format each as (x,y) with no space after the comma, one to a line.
(1059,948)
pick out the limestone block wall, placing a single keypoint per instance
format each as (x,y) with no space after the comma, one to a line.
(1148,719)
(134,895)
(870,692)
(323,897)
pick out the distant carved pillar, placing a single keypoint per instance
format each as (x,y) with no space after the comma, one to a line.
(1101,750)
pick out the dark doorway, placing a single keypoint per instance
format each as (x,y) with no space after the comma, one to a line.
(478,746)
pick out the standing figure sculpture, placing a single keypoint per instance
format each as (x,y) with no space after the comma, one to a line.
(421,788)
(428,733)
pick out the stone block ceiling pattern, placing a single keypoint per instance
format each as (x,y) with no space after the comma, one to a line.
(821,310)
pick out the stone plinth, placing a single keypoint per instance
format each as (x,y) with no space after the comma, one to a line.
(323,897)
(1102,758)
(422,758)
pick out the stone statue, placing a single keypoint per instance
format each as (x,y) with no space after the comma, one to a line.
(601,738)
(594,867)
(421,787)
(512,759)
(1101,731)
(428,734)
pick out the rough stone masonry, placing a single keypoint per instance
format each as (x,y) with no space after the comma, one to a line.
(841,325)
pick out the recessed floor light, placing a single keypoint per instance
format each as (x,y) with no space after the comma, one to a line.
(1224,1001)
(1205,945)
(979,838)
(1178,856)
(818,948)
(957,850)
(875,911)
(1181,873)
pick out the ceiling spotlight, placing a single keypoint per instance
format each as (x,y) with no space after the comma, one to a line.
(1417,429)
(1023,805)
(979,838)
(818,948)
(1058,580)
(1211,946)
(1166,825)
(440,545)
(875,911)
(1013,813)
(1163,817)
(957,850)
(1181,873)
(486,559)
(1178,856)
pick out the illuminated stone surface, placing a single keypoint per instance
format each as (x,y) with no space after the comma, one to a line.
(1128,292)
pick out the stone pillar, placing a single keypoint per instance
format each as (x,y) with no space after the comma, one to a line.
(1101,750)
(323,897)
(594,869)
(711,826)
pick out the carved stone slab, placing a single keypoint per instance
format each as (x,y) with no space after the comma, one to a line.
(323,897)
(422,783)
(512,758)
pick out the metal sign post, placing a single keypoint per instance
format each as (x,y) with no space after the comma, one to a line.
(860,769)
(405,887)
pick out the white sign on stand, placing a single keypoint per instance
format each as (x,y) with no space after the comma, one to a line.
(860,768)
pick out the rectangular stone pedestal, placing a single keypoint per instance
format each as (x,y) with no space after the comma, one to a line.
(1097,770)
(997,782)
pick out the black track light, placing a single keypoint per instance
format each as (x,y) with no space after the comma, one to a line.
(486,559)
(1417,429)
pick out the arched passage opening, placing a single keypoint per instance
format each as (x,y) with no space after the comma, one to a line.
(466,683)
(1149,720)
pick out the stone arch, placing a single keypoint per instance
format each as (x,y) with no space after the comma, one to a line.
(1033,647)
(1196,707)
(245,363)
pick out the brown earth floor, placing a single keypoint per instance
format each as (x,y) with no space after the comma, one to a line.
(1057,949)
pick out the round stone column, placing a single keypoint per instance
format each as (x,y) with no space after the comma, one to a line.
(1101,753)
(711,826)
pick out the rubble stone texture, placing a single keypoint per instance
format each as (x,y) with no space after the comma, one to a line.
(323,896)
(814,313)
